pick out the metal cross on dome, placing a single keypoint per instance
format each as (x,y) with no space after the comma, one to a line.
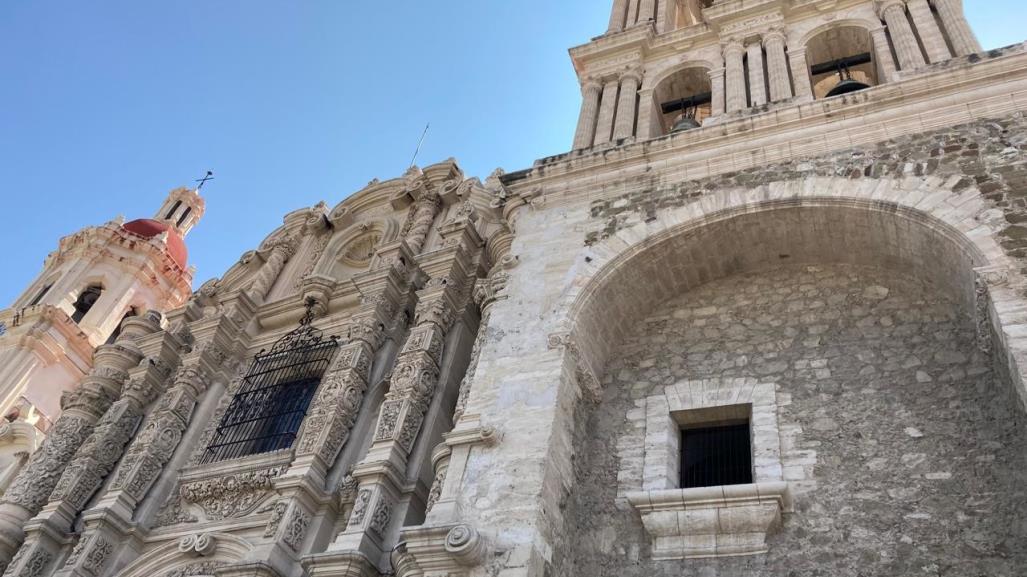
(206,177)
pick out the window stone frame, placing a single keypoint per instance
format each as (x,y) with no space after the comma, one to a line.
(711,521)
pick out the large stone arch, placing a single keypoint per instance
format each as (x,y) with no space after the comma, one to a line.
(921,225)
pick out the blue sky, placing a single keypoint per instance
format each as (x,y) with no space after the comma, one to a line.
(108,104)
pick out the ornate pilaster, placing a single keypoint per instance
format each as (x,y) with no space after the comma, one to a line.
(893,12)
(278,253)
(82,407)
(964,41)
(735,76)
(777,66)
(423,217)
(590,92)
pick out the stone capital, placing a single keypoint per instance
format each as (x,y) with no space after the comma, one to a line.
(885,5)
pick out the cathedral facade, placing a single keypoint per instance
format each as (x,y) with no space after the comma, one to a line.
(765,318)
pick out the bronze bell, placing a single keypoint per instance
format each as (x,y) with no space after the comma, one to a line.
(846,85)
(685,121)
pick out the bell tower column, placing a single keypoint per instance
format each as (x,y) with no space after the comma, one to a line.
(963,39)
(735,75)
(800,73)
(930,34)
(717,91)
(906,46)
(620,8)
(757,82)
(585,133)
(626,105)
(777,66)
(882,53)
(607,109)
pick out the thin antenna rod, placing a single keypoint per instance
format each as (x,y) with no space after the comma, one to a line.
(419,143)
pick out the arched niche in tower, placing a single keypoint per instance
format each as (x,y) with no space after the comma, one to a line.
(683,99)
(841,59)
(85,301)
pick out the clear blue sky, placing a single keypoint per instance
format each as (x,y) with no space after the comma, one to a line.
(108,104)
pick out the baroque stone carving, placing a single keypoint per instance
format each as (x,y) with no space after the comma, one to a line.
(360,507)
(202,568)
(201,544)
(296,528)
(382,515)
(231,496)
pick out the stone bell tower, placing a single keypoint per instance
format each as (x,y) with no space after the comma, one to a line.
(668,66)
(95,279)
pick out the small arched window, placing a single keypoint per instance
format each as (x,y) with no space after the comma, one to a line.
(173,210)
(86,299)
(185,215)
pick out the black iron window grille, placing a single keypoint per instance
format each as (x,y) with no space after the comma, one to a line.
(715,456)
(267,411)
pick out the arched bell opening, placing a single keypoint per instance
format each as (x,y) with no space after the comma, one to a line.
(683,100)
(842,61)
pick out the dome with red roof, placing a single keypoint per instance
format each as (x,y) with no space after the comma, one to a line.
(149,228)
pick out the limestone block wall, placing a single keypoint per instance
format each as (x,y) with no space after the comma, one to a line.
(903,448)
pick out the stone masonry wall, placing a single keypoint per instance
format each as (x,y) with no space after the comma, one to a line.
(907,454)
(988,154)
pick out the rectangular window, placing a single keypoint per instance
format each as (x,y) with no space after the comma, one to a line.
(718,455)
(267,411)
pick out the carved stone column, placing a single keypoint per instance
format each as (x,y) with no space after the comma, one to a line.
(585,134)
(93,462)
(626,106)
(930,34)
(717,106)
(279,253)
(82,407)
(646,10)
(735,76)
(632,13)
(882,53)
(777,66)
(800,74)
(424,215)
(906,47)
(757,82)
(618,15)
(964,41)
(607,109)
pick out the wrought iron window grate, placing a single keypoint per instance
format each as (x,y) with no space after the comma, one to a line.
(267,411)
(714,456)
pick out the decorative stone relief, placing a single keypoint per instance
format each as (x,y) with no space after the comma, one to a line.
(296,528)
(360,507)
(202,568)
(231,496)
(99,550)
(200,544)
(382,515)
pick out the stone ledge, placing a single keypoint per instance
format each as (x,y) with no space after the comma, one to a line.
(706,522)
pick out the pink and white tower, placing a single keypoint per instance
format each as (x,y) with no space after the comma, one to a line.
(95,279)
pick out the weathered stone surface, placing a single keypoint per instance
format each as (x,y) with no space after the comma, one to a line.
(892,473)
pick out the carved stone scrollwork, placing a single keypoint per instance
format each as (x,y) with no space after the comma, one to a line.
(466,545)
(381,517)
(296,528)
(200,545)
(231,496)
